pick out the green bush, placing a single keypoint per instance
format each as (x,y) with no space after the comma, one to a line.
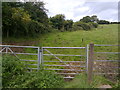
(77,27)
(95,25)
(117,85)
(81,25)
(40,79)
(15,76)
(11,68)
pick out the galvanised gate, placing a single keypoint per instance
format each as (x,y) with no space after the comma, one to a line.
(68,68)
(67,61)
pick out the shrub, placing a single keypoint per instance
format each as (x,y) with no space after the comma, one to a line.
(82,25)
(15,76)
(95,25)
(11,68)
(40,79)
(85,26)
(117,85)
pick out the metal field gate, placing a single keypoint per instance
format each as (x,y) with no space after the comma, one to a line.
(107,61)
(69,61)
(64,61)
(67,64)
(28,54)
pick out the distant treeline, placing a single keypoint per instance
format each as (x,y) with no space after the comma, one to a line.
(31,19)
(114,22)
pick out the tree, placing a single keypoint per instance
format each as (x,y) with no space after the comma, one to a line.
(19,18)
(103,22)
(88,19)
(68,24)
(58,21)
(94,19)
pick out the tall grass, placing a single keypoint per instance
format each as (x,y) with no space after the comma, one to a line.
(104,34)
(80,81)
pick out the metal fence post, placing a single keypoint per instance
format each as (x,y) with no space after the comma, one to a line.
(39,58)
(90,63)
(42,56)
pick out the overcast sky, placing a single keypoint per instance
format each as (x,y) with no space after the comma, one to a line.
(76,9)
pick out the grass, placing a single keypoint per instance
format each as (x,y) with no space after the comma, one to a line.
(80,81)
(105,34)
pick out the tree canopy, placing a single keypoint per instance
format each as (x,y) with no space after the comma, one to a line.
(31,19)
(87,19)
(24,19)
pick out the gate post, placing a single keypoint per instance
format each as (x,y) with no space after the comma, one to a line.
(90,63)
(39,57)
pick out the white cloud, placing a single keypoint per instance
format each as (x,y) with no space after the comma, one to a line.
(76,9)
(82,9)
(65,7)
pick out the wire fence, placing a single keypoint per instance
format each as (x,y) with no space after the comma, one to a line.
(106,61)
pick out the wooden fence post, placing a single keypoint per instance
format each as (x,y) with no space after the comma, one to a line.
(90,63)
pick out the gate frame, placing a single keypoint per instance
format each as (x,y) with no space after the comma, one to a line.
(15,54)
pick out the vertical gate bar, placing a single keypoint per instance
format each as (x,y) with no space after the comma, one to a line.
(42,58)
(39,58)
(87,56)
(90,63)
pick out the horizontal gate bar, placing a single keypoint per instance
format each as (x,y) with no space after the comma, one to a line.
(18,46)
(66,61)
(107,67)
(62,55)
(32,64)
(65,69)
(65,47)
(109,52)
(29,60)
(21,53)
(107,73)
(107,60)
(33,68)
(104,45)
(68,73)
(66,65)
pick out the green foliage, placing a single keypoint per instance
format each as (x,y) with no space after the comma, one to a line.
(95,25)
(117,85)
(103,22)
(11,68)
(15,76)
(80,81)
(88,19)
(58,21)
(68,25)
(24,19)
(85,26)
(40,79)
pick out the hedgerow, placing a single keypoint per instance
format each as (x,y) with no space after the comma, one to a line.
(15,76)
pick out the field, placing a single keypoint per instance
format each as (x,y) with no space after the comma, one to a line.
(104,34)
